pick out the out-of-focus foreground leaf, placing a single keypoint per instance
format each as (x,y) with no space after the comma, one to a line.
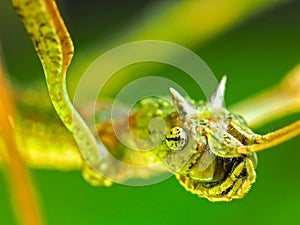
(21,189)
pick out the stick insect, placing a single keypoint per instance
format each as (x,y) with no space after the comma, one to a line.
(211,150)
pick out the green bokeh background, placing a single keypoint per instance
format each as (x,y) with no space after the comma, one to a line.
(255,54)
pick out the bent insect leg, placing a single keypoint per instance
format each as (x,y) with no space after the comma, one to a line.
(272,139)
(236,185)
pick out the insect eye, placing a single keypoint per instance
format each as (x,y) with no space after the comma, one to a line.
(176,139)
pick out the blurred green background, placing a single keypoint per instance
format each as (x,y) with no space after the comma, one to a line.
(255,53)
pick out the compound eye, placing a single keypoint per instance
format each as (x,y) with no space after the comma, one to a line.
(176,139)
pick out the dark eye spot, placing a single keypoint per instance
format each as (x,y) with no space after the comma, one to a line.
(176,139)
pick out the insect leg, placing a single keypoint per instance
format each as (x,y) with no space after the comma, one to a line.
(245,131)
(218,192)
(272,139)
(250,168)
